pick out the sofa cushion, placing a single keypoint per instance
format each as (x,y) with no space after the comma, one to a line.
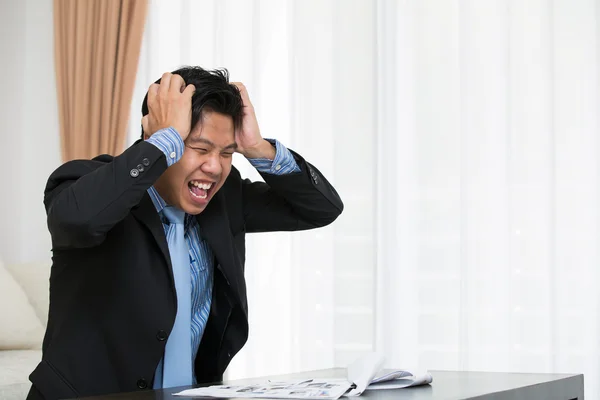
(20,328)
(34,279)
(16,365)
(17,391)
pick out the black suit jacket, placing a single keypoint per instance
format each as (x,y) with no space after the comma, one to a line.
(112,297)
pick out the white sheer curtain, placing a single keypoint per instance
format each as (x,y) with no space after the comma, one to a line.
(463,138)
(488,223)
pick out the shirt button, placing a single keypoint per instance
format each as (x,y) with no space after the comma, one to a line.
(146,162)
(277,167)
(142,384)
(134,173)
(140,167)
(161,336)
(172,155)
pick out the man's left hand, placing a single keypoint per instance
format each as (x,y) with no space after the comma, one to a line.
(248,138)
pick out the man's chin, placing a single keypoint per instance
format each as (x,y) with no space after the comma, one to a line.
(193,209)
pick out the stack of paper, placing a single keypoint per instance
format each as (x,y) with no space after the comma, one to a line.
(363,374)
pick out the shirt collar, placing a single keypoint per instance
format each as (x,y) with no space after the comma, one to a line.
(159,204)
(158,201)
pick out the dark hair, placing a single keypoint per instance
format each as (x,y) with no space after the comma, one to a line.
(213,93)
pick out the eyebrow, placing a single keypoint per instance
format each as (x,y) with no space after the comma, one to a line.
(231,146)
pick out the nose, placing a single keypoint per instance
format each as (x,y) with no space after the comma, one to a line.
(211,165)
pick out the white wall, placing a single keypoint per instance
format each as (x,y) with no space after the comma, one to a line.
(29,136)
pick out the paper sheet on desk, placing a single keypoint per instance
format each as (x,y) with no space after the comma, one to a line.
(362,371)
(404,380)
(330,389)
(361,376)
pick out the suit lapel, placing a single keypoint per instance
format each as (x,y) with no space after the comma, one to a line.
(145,212)
(214,228)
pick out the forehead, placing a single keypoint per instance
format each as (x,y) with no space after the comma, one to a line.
(213,126)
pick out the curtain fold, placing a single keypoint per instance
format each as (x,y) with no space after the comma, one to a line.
(97,46)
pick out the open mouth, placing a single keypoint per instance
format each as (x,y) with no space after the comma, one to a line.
(200,189)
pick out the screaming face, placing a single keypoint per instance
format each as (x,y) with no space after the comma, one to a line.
(191,183)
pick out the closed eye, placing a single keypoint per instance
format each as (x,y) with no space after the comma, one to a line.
(227,154)
(199,149)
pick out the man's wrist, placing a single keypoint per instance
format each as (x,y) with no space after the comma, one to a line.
(283,163)
(263,150)
(169,142)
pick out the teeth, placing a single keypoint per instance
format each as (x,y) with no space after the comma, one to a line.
(200,197)
(201,185)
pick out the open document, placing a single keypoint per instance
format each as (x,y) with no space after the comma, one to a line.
(363,374)
(313,388)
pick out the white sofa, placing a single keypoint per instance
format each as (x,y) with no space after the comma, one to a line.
(23,317)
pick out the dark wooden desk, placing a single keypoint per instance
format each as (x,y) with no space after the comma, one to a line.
(447,385)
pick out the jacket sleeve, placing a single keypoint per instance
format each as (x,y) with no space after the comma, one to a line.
(85,199)
(290,202)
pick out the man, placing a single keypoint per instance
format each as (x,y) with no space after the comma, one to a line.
(147,285)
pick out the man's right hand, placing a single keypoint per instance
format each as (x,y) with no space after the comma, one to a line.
(169,104)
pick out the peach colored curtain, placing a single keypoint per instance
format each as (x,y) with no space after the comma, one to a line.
(96,47)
